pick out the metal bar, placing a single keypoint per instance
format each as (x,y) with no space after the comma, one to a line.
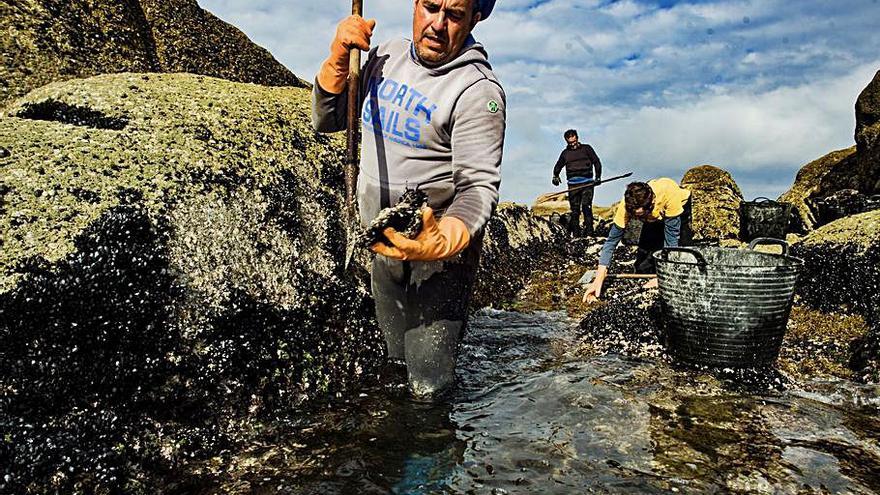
(592,184)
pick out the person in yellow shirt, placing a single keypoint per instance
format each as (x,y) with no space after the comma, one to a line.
(664,207)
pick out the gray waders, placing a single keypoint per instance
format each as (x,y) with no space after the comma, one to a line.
(422,308)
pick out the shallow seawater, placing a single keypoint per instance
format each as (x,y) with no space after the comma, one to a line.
(527,419)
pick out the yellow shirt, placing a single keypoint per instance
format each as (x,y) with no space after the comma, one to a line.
(669,201)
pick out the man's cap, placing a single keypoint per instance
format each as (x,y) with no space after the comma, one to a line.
(485,7)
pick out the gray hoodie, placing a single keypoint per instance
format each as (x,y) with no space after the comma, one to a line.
(438,128)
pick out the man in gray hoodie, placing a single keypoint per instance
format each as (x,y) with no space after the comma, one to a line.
(433,117)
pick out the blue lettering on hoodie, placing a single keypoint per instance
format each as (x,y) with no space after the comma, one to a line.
(397,110)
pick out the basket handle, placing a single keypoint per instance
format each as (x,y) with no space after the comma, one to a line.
(766,199)
(664,255)
(769,240)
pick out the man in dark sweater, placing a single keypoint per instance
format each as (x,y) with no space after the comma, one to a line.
(433,116)
(579,161)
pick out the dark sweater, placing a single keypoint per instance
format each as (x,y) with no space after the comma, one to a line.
(578,162)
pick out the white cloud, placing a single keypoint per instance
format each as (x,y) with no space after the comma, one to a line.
(770,134)
(759,87)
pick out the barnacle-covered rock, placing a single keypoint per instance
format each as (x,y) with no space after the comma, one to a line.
(405,217)
(172,268)
(515,244)
(842,274)
(42,41)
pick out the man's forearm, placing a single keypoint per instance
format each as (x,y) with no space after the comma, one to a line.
(477,146)
(610,245)
(329,111)
(672,231)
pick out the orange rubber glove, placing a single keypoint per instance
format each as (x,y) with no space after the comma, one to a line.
(352,32)
(436,241)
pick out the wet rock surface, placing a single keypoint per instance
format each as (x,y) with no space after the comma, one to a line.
(515,244)
(531,415)
(48,40)
(842,274)
(715,200)
(181,274)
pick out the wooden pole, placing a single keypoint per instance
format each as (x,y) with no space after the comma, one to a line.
(354,125)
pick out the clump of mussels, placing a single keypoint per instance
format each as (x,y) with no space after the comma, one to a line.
(404,217)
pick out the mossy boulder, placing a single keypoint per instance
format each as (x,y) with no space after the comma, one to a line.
(50,40)
(814,180)
(715,201)
(171,270)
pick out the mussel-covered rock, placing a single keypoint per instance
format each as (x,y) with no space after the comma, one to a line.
(628,323)
(842,266)
(844,203)
(515,243)
(842,274)
(405,217)
(865,360)
(46,40)
(171,270)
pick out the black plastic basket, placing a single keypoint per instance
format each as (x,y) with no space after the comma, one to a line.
(726,307)
(764,217)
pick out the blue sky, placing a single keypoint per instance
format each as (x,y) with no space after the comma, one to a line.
(757,87)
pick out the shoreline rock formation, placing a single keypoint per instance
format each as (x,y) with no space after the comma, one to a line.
(49,40)
(516,243)
(855,170)
(810,183)
(842,275)
(173,252)
(172,247)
